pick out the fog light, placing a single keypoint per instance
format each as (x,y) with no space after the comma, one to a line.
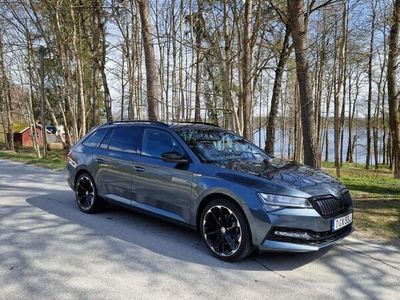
(297,235)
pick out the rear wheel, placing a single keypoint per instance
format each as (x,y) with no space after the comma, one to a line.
(225,230)
(86,194)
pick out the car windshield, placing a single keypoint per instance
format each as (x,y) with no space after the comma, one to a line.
(218,146)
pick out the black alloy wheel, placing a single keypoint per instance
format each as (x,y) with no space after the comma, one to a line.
(225,230)
(86,194)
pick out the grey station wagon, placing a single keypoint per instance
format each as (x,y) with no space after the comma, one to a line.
(212,180)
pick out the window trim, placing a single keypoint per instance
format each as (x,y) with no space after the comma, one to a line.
(111,130)
(93,133)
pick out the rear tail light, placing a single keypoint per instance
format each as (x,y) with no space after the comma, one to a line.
(69,155)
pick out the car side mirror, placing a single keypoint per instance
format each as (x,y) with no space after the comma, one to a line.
(174,157)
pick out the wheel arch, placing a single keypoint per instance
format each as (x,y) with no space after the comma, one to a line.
(79,173)
(217,195)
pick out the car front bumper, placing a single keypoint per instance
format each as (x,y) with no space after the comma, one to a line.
(297,245)
(302,230)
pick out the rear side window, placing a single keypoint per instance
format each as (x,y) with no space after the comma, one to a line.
(106,140)
(125,139)
(95,138)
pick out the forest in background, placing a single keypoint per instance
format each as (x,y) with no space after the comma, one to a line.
(293,68)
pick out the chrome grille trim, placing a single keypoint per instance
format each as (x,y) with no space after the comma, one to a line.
(329,206)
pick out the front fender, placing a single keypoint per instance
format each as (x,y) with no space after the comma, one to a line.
(245,197)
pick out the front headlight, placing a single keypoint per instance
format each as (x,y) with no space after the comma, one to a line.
(275,202)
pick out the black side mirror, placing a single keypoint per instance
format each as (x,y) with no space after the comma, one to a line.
(174,157)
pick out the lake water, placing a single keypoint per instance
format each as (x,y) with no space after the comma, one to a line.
(359,154)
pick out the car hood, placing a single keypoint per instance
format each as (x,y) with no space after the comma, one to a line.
(311,181)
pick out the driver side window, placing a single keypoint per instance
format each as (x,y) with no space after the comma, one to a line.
(156,142)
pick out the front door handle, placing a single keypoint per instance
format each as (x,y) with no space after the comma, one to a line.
(100,161)
(138,168)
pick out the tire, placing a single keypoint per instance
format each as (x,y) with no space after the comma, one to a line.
(225,230)
(86,195)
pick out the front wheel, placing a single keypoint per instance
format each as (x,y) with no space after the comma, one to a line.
(86,194)
(225,230)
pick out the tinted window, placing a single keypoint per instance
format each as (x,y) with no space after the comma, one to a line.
(95,138)
(125,138)
(219,145)
(157,142)
(106,140)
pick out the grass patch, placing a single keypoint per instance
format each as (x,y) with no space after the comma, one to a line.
(376,196)
(55,160)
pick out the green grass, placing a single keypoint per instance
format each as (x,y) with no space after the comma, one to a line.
(55,160)
(376,196)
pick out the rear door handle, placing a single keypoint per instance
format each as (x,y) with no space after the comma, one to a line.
(138,168)
(100,161)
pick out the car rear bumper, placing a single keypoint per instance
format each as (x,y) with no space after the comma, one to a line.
(71,176)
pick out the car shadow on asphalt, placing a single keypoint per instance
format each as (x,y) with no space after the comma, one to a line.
(160,236)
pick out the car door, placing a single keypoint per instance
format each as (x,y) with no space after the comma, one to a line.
(162,187)
(115,158)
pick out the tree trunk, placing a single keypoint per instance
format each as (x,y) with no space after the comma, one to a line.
(338,116)
(10,133)
(69,94)
(32,120)
(5,94)
(42,101)
(152,77)
(180,111)
(393,94)
(276,91)
(199,35)
(246,71)
(299,35)
(349,124)
(325,140)
(79,65)
(370,62)
(101,59)
(320,74)
(94,48)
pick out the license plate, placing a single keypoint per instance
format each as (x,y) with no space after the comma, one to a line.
(342,222)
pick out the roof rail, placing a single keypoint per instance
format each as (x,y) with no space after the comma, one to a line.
(138,121)
(192,122)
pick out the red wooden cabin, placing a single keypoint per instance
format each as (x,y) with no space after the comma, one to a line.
(24,137)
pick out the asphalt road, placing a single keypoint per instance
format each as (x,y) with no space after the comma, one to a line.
(49,249)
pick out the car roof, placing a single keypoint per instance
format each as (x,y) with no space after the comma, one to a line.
(177,126)
(193,126)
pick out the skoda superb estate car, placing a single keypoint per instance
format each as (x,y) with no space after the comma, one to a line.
(212,180)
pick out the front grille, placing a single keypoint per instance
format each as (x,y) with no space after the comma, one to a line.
(329,206)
